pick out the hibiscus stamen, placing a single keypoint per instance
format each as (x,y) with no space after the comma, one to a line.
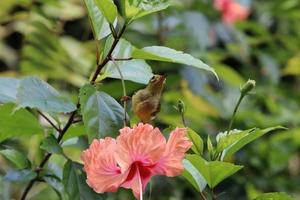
(140,183)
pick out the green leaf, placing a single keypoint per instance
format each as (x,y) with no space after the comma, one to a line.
(74,181)
(193,176)
(56,184)
(136,8)
(8,90)
(35,93)
(134,70)
(166,54)
(50,145)
(99,24)
(18,123)
(225,140)
(214,171)
(249,137)
(210,146)
(197,141)
(20,175)
(108,9)
(18,159)
(102,114)
(274,196)
(229,75)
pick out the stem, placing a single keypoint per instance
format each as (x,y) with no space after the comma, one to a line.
(183,119)
(121,59)
(234,112)
(109,55)
(213,195)
(72,116)
(49,121)
(124,91)
(202,196)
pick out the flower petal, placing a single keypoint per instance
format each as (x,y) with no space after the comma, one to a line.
(171,162)
(103,174)
(138,178)
(142,144)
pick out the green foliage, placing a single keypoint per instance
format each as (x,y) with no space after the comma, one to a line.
(17,123)
(99,24)
(134,70)
(241,139)
(108,9)
(35,93)
(196,140)
(193,176)
(50,145)
(75,185)
(214,171)
(20,175)
(166,54)
(8,90)
(18,159)
(274,196)
(136,9)
(102,115)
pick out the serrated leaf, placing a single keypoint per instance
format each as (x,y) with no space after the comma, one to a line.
(99,24)
(51,145)
(196,140)
(166,54)
(108,9)
(214,171)
(74,181)
(134,70)
(8,90)
(274,196)
(18,159)
(249,137)
(193,176)
(18,123)
(35,93)
(102,114)
(20,175)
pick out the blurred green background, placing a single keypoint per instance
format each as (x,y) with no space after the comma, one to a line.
(52,39)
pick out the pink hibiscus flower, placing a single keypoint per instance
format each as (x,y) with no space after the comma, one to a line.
(231,11)
(133,158)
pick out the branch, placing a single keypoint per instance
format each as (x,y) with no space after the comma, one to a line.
(49,121)
(72,116)
(109,55)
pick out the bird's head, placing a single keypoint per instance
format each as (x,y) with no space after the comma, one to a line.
(157,83)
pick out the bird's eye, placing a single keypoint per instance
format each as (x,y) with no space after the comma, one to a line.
(152,79)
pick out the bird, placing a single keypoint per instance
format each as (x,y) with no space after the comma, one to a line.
(146,102)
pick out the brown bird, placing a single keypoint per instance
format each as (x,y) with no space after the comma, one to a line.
(146,102)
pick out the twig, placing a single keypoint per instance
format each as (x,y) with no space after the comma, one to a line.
(124,91)
(203,196)
(49,121)
(213,195)
(109,55)
(121,59)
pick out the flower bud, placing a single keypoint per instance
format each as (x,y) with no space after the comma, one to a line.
(247,87)
(181,106)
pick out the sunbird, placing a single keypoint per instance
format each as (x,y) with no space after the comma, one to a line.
(146,102)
